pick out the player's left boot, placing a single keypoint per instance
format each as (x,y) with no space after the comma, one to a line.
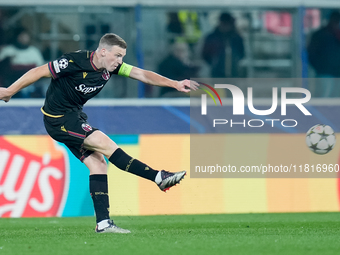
(170,179)
(112,228)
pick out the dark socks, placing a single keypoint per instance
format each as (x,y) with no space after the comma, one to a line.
(100,197)
(124,162)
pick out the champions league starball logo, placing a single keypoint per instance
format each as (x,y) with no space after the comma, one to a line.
(238,105)
(63,63)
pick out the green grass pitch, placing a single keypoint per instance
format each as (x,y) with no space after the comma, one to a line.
(291,233)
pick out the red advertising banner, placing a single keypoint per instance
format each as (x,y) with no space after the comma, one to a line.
(33,177)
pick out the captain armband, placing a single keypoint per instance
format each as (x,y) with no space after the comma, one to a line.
(125,70)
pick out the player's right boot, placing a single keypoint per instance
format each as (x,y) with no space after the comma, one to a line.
(112,228)
(170,179)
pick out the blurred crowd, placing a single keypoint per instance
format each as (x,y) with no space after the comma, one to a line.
(17,56)
(220,52)
(222,49)
(324,57)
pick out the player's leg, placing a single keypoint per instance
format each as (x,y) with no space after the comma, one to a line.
(98,185)
(98,141)
(99,193)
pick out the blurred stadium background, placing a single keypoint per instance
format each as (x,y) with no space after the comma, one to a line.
(40,178)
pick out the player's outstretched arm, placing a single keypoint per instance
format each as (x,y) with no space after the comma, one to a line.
(27,79)
(153,78)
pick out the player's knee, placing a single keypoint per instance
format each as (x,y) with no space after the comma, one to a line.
(103,163)
(102,167)
(96,163)
(100,160)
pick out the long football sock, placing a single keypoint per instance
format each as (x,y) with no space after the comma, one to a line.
(100,196)
(124,162)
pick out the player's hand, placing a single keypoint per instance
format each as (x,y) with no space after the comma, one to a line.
(187,85)
(4,95)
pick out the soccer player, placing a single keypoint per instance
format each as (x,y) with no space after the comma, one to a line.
(76,78)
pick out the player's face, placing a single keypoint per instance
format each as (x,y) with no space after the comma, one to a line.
(113,58)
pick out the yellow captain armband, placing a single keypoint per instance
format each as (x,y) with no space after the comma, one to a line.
(125,70)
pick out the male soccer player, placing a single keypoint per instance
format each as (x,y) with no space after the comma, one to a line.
(76,78)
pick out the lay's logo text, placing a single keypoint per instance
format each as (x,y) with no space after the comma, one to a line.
(34,176)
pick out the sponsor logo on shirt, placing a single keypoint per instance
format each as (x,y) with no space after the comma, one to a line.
(63,63)
(84,89)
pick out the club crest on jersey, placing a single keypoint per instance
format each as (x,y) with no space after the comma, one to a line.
(63,63)
(86,127)
(106,75)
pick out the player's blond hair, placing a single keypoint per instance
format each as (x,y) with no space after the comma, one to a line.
(110,39)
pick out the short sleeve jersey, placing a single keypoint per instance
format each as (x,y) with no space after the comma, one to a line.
(75,80)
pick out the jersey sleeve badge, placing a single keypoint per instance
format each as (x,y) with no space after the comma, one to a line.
(63,63)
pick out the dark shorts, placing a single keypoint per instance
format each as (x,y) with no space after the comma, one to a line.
(71,130)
